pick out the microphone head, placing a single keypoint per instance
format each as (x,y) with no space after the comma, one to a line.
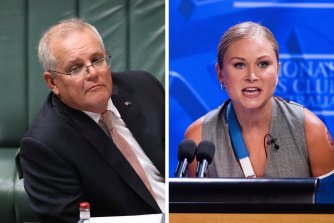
(205,150)
(187,150)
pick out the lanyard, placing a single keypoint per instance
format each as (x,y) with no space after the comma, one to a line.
(238,142)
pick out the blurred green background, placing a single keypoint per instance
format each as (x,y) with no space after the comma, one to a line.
(133,32)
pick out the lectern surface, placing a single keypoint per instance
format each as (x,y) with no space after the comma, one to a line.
(240,195)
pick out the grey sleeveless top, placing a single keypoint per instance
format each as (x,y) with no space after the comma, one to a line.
(287,126)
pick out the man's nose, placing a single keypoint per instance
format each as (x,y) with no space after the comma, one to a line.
(90,71)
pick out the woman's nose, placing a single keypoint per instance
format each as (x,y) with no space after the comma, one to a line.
(251,75)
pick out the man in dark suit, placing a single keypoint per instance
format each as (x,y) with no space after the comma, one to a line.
(68,156)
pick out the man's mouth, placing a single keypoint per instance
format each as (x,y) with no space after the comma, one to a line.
(94,87)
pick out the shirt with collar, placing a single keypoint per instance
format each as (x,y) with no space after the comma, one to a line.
(154,176)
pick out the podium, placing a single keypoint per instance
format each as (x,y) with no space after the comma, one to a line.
(246,200)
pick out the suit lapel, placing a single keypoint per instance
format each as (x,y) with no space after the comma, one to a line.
(129,104)
(97,138)
(139,127)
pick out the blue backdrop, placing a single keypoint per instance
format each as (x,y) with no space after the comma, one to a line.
(305,33)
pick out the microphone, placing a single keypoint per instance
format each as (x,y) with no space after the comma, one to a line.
(186,154)
(204,156)
(273,141)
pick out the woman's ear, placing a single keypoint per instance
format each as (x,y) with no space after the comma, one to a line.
(50,81)
(278,68)
(220,74)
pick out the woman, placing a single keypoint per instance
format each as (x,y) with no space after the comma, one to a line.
(275,137)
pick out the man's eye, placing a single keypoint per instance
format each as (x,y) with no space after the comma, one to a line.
(97,60)
(74,69)
(239,65)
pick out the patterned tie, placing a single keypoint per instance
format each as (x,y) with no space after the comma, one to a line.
(107,118)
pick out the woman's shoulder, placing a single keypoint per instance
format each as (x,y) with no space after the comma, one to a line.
(319,144)
(288,104)
(311,119)
(194,130)
(313,125)
(289,110)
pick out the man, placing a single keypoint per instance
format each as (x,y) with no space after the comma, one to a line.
(70,155)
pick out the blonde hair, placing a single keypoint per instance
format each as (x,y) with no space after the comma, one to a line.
(244,30)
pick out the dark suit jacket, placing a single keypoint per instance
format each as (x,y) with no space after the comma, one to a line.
(67,158)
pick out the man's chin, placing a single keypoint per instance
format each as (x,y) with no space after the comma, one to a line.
(98,105)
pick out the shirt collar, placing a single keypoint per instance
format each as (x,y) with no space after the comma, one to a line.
(96,116)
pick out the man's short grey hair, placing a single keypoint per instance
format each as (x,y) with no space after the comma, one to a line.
(60,30)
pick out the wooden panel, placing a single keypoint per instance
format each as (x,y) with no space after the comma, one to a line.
(251,218)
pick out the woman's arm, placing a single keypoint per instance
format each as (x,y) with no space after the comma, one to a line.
(320,145)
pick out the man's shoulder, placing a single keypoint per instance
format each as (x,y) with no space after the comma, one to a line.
(131,73)
(50,118)
(135,78)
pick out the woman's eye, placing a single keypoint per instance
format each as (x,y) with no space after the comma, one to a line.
(239,65)
(263,64)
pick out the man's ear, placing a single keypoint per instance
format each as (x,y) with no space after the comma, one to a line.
(220,74)
(51,82)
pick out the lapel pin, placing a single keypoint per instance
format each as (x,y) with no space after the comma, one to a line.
(127,103)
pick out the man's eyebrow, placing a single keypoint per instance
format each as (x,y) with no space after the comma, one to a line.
(76,59)
(71,62)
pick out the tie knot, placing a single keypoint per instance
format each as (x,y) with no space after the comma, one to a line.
(107,119)
(106,115)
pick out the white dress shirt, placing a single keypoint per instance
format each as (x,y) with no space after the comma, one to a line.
(152,173)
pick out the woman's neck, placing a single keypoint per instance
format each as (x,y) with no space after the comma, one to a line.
(250,120)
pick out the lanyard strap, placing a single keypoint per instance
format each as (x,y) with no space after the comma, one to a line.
(238,142)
